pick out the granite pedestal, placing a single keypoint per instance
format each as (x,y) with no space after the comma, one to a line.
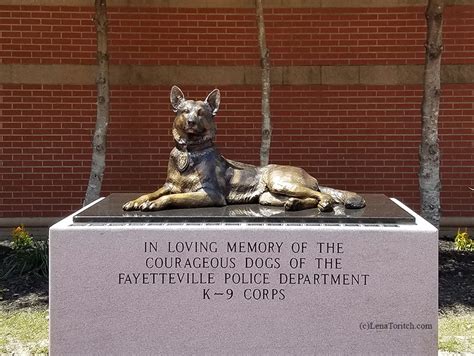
(243,280)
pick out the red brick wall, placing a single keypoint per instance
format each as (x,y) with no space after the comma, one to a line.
(363,138)
(45,34)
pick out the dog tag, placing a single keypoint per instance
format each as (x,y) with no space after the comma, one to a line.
(182,161)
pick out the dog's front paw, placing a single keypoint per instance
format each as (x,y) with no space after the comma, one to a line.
(145,206)
(151,205)
(131,205)
(135,204)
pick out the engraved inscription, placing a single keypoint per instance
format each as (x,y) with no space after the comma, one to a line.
(249,270)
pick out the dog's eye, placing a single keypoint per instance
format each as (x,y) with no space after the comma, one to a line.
(199,112)
(186,111)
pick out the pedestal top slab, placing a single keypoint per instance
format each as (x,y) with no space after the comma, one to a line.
(379,210)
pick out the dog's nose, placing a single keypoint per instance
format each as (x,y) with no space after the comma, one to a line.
(191,121)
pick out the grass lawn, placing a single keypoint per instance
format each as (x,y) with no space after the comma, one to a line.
(24,331)
(456,331)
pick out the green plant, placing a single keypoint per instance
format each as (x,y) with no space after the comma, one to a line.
(27,256)
(463,242)
(21,239)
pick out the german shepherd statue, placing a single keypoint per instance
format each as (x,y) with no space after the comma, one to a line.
(199,176)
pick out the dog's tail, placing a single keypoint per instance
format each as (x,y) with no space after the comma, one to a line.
(350,200)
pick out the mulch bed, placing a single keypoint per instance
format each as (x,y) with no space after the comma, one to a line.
(456,277)
(27,291)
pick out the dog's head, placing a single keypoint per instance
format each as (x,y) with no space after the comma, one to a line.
(194,122)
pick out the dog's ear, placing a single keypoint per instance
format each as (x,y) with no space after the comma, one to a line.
(176,97)
(214,99)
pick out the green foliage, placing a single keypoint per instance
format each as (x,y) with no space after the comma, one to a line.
(463,242)
(21,239)
(27,256)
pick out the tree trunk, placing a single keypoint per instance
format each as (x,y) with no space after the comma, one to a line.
(102,121)
(265,63)
(429,177)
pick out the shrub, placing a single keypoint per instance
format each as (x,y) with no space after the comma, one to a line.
(21,239)
(463,242)
(27,256)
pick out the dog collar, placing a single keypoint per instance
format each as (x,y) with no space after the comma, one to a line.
(194,147)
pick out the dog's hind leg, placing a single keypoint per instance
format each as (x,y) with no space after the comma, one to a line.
(268,198)
(289,203)
(301,204)
(350,200)
(297,183)
(325,201)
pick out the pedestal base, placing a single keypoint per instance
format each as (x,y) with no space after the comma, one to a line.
(243,288)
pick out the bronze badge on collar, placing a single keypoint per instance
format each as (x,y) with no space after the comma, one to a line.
(182,160)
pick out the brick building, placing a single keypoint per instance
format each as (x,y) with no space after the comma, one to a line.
(345,102)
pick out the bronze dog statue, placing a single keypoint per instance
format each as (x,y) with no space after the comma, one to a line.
(199,176)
